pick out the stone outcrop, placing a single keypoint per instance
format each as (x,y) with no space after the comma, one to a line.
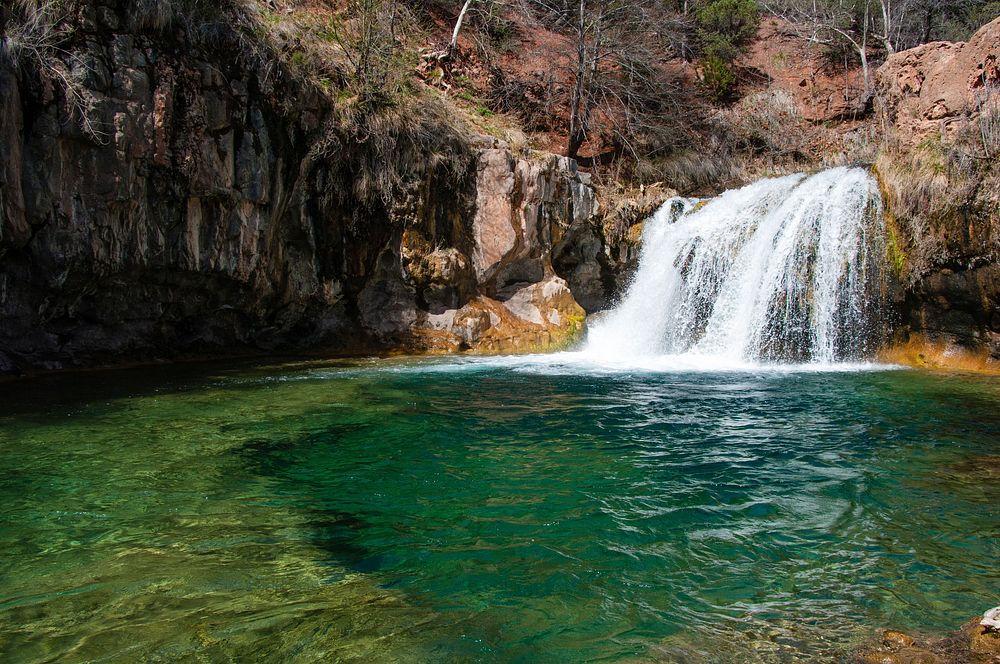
(941,180)
(599,254)
(972,644)
(192,204)
(935,90)
(502,293)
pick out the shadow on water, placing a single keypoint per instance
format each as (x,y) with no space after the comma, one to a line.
(336,532)
(500,513)
(58,392)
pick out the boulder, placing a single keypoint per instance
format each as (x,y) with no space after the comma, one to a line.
(991,619)
(983,639)
(934,89)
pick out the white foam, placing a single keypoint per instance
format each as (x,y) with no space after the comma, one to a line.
(786,269)
(586,363)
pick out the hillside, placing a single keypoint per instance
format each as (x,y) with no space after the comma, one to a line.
(187,178)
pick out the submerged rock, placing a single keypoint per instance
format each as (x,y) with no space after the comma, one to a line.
(977,642)
(983,637)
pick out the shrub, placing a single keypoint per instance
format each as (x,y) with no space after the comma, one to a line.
(30,41)
(162,15)
(726,26)
(768,123)
(371,38)
(32,33)
(385,148)
(719,78)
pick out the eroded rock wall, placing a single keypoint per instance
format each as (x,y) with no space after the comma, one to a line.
(939,104)
(194,204)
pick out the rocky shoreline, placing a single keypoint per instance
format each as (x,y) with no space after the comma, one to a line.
(973,643)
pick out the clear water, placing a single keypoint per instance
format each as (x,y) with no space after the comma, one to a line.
(534,510)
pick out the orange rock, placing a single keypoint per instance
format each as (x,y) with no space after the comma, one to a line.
(932,90)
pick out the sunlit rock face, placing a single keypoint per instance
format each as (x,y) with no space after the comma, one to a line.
(201,206)
(931,91)
(939,104)
(496,289)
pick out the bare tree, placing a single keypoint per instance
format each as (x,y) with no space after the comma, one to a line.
(920,21)
(370,40)
(458,27)
(884,25)
(611,69)
(830,21)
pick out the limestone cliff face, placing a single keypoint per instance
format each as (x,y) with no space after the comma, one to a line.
(940,105)
(494,287)
(197,205)
(598,255)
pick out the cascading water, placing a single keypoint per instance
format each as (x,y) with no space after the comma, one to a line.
(789,269)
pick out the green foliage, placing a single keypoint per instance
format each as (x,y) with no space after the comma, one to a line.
(726,26)
(719,77)
(737,19)
(896,255)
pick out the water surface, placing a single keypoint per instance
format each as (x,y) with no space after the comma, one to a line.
(491,510)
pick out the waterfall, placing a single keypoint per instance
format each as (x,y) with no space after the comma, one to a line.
(789,269)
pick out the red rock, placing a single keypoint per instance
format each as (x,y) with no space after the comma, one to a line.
(932,90)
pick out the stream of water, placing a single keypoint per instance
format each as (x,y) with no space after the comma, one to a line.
(787,269)
(719,474)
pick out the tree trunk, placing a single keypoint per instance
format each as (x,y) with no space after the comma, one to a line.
(458,27)
(575,129)
(886,36)
(863,52)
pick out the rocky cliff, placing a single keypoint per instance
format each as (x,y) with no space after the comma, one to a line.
(161,197)
(939,106)
(167,192)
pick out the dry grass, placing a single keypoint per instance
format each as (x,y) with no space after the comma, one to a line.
(945,192)
(767,125)
(32,33)
(389,148)
(32,42)
(704,170)
(985,131)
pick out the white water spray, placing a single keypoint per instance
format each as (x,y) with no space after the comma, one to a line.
(786,269)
